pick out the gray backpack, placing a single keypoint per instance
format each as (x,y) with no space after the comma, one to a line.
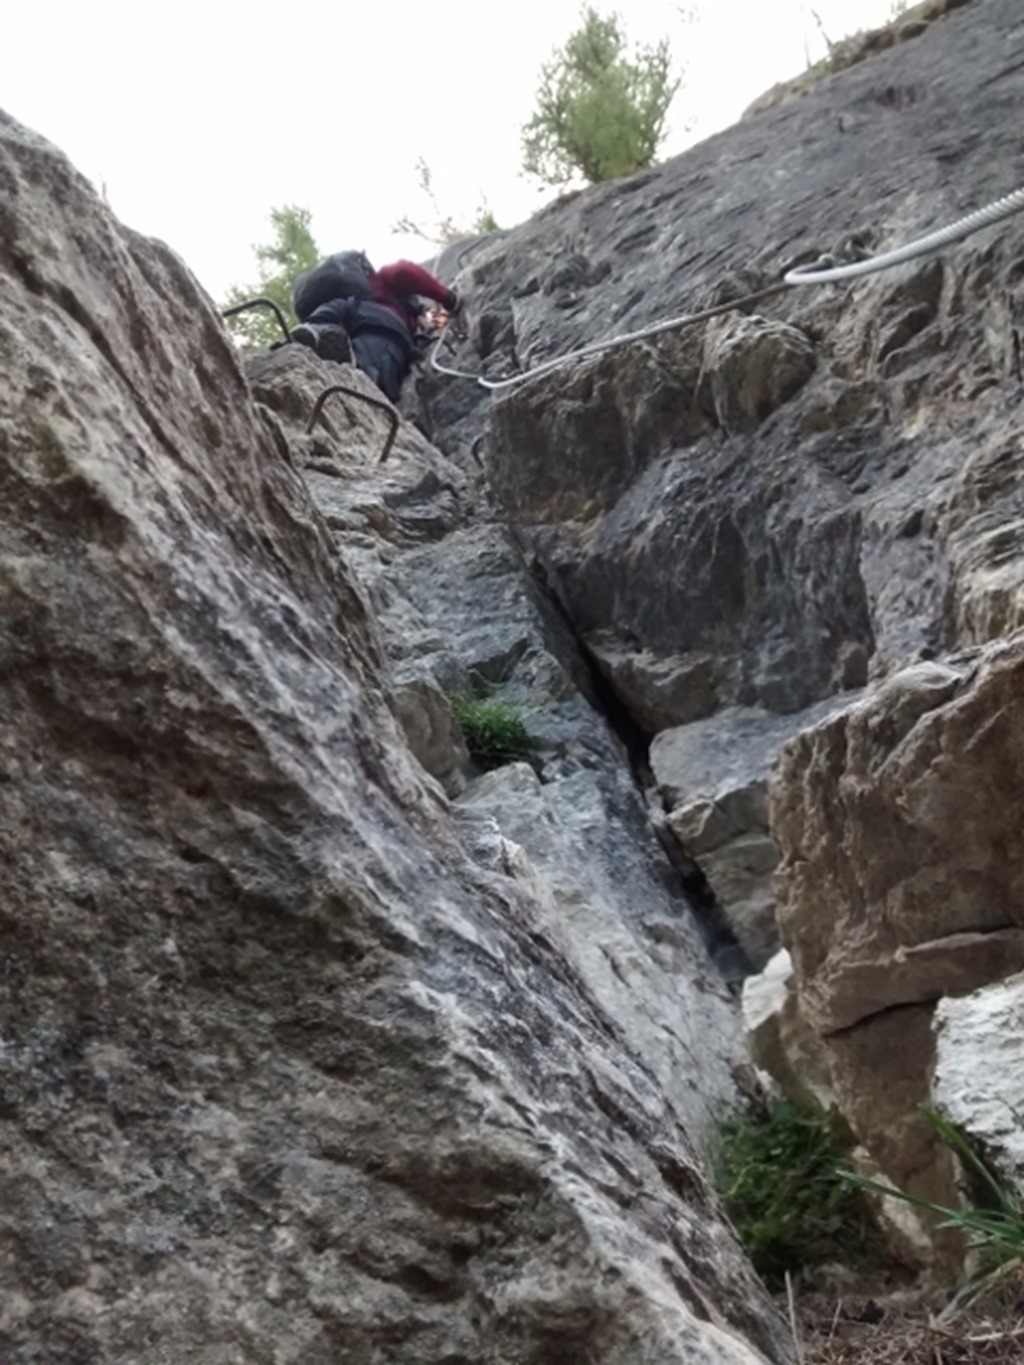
(345,275)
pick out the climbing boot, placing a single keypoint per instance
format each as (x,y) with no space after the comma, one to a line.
(333,344)
(330,343)
(305,335)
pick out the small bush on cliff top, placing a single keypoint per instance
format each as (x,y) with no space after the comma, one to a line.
(494,731)
(776,1173)
(599,113)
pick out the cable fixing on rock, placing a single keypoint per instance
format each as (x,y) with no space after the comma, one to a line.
(822,271)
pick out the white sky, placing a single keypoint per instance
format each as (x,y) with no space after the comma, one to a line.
(198,116)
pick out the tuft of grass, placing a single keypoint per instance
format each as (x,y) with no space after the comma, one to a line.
(494,731)
(776,1173)
(995,1223)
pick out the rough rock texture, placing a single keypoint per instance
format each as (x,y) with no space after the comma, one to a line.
(632,945)
(712,776)
(979,1071)
(846,524)
(727,530)
(906,23)
(454,605)
(297,1064)
(304,1061)
(755,365)
(782,1043)
(902,881)
(923,895)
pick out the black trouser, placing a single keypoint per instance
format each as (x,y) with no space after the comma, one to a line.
(384,359)
(383,355)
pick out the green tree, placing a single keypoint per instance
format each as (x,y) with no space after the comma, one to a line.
(600,114)
(291,251)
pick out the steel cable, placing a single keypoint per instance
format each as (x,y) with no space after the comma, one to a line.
(812,274)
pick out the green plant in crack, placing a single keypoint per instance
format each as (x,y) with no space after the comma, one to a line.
(494,730)
(995,1222)
(776,1172)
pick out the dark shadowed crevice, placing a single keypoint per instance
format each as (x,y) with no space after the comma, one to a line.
(684,877)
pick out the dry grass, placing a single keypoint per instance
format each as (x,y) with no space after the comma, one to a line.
(858,47)
(866,1331)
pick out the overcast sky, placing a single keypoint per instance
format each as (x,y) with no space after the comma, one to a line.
(196,117)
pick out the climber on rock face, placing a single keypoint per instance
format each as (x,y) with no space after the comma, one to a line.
(347,310)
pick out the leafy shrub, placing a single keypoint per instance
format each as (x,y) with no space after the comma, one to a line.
(494,731)
(776,1173)
(599,114)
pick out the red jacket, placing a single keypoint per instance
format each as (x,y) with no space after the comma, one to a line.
(394,285)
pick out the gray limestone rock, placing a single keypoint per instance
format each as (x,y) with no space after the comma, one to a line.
(901,855)
(781,1042)
(611,894)
(725,543)
(431,730)
(978,1083)
(296,1064)
(712,776)
(301,1060)
(772,507)
(754,365)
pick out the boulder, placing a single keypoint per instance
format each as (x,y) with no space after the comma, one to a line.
(712,777)
(901,883)
(902,865)
(978,1080)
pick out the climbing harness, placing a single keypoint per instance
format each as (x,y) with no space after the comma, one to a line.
(823,271)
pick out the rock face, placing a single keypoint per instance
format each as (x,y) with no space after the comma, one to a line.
(299,1062)
(919,899)
(820,489)
(781,1041)
(901,879)
(816,494)
(713,778)
(979,1070)
(318,1045)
